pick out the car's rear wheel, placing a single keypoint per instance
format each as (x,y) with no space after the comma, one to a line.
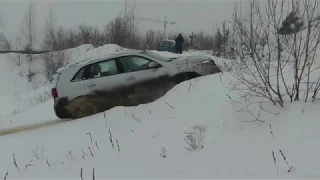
(60,109)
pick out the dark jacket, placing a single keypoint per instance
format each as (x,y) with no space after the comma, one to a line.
(179,41)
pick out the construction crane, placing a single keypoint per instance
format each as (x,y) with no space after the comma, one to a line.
(165,22)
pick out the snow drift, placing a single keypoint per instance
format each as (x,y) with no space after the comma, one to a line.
(191,132)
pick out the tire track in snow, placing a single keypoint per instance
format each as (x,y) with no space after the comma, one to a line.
(29,127)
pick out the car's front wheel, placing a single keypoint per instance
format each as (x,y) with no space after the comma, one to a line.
(184,77)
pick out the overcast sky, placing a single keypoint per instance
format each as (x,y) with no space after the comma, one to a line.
(190,15)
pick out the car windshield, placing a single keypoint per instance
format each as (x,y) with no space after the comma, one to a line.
(157,56)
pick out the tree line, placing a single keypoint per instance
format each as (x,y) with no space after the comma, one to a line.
(123,30)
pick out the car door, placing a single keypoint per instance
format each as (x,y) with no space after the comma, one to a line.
(106,79)
(75,87)
(146,78)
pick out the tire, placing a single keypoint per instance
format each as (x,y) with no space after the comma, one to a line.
(60,110)
(184,77)
(88,105)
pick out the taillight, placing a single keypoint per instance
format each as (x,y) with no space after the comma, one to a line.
(54,93)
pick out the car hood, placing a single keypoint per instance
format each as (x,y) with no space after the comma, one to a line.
(190,59)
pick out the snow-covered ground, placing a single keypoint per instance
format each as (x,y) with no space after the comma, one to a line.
(149,141)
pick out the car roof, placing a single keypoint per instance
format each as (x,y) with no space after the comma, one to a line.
(105,57)
(168,40)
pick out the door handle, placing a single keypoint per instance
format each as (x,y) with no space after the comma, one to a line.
(91,85)
(131,78)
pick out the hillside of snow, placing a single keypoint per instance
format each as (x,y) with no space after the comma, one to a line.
(150,140)
(231,149)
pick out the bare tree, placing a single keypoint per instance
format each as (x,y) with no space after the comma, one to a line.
(18,47)
(49,42)
(54,40)
(205,41)
(123,31)
(5,44)
(28,29)
(221,41)
(53,61)
(61,36)
(150,39)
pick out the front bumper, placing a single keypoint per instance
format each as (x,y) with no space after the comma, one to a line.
(209,69)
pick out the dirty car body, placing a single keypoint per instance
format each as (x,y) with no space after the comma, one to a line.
(123,79)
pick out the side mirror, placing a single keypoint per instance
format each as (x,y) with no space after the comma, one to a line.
(153,65)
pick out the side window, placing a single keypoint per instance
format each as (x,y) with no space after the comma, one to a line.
(105,68)
(134,63)
(78,76)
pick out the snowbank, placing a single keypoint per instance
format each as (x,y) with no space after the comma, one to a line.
(86,52)
(141,134)
(149,141)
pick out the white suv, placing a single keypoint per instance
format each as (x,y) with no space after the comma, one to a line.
(125,77)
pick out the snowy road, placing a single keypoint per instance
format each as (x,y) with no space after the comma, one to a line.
(28,127)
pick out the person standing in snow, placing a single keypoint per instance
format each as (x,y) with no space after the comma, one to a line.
(179,42)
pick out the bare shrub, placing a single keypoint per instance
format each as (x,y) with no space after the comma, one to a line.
(43,97)
(17,56)
(90,35)
(163,152)
(150,39)
(302,42)
(222,40)
(54,40)
(15,162)
(70,156)
(5,44)
(195,137)
(204,41)
(266,54)
(275,162)
(71,39)
(47,161)
(52,62)
(38,154)
(290,168)
(93,174)
(81,173)
(30,75)
(257,52)
(5,177)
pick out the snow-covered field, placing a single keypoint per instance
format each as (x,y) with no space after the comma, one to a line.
(149,141)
